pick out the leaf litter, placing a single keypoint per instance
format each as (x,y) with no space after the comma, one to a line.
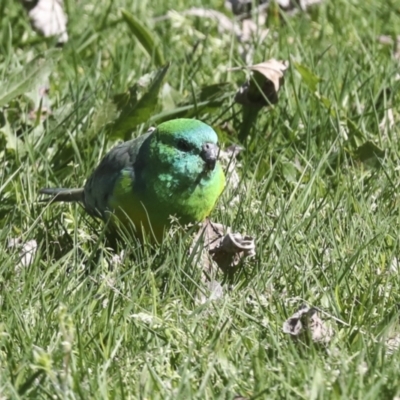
(244,7)
(306,323)
(48,18)
(259,90)
(222,249)
(27,251)
(262,90)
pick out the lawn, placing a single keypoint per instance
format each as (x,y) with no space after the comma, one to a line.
(319,173)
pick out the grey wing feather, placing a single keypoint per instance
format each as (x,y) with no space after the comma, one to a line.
(100,184)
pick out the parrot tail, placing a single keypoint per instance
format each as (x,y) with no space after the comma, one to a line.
(61,194)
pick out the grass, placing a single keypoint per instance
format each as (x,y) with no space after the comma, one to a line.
(316,194)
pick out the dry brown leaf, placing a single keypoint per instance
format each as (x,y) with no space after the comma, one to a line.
(385,40)
(245,6)
(262,90)
(26,253)
(389,41)
(304,4)
(285,4)
(252,30)
(392,343)
(306,322)
(48,18)
(273,70)
(251,33)
(223,247)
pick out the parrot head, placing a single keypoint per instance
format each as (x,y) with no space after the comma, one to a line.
(187,150)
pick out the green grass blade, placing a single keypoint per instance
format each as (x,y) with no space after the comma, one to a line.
(141,111)
(33,74)
(145,37)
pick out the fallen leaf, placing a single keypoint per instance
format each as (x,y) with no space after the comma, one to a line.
(392,343)
(48,18)
(390,41)
(385,39)
(223,247)
(252,33)
(304,4)
(307,323)
(272,70)
(263,88)
(252,30)
(27,250)
(246,6)
(259,91)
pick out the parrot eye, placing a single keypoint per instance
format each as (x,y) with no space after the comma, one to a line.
(183,145)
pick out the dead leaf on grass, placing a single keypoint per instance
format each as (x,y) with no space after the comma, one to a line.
(251,30)
(48,18)
(26,253)
(223,247)
(262,89)
(306,322)
(251,33)
(390,41)
(392,342)
(385,40)
(239,7)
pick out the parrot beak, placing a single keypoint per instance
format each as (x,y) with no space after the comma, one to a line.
(209,154)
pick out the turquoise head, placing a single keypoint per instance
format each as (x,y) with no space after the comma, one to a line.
(186,151)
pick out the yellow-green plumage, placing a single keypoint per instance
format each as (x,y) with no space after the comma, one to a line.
(170,171)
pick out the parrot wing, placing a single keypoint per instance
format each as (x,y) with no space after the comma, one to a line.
(125,157)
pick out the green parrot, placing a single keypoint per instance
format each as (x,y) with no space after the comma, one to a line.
(171,170)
